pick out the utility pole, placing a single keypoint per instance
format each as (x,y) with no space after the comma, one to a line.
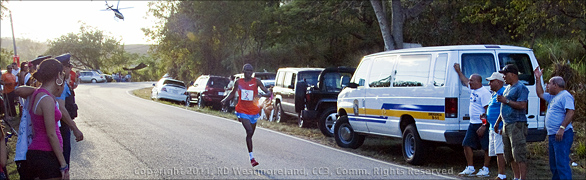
(16,59)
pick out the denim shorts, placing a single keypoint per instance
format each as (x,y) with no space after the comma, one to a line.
(251,118)
(515,141)
(472,140)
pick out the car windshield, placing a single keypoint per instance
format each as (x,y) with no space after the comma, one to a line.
(310,77)
(267,76)
(218,82)
(174,83)
(334,81)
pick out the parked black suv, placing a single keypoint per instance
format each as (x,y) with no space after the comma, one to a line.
(320,100)
(208,90)
(289,89)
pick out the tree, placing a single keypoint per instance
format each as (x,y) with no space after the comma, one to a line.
(399,15)
(90,48)
(3,8)
(525,21)
(5,57)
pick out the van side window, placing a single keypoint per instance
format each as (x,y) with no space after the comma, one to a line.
(478,63)
(381,74)
(361,72)
(439,72)
(523,62)
(412,70)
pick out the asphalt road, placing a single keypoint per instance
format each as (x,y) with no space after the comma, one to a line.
(127,137)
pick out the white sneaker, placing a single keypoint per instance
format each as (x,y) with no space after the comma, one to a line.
(483,172)
(467,172)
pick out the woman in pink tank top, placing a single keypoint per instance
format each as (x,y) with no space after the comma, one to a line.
(45,153)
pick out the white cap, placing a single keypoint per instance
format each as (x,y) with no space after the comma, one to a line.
(497,76)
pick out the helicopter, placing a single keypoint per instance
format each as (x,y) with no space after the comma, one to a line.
(116,10)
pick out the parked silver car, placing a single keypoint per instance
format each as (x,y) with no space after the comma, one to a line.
(170,89)
(91,76)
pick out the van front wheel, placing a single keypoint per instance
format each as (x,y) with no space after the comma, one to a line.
(345,135)
(413,146)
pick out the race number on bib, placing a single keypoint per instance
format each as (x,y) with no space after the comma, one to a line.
(247,95)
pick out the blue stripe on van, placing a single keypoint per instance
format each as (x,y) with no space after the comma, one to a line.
(353,118)
(411,107)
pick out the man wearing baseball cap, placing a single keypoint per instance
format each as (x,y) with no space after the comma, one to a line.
(513,107)
(495,144)
(67,102)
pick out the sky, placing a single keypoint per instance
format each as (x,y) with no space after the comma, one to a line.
(48,20)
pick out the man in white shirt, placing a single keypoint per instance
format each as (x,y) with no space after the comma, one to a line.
(477,133)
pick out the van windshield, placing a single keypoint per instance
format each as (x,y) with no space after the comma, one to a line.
(478,63)
(523,63)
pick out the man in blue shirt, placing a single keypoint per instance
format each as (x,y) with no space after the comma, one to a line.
(495,145)
(513,108)
(558,122)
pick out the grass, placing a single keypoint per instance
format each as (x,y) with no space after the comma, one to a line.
(11,147)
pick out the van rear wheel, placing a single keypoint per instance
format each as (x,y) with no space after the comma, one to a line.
(345,135)
(413,146)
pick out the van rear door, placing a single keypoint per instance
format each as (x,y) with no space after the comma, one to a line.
(525,62)
(480,62)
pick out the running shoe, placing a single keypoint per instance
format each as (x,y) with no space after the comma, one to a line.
(253,162)
(483,172)
(467,172)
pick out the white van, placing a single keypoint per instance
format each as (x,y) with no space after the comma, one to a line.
(415,94)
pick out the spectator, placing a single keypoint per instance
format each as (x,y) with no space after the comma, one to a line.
(495,145)
(15,71)
(9,82)
(476,135)
(558,122)
(23,73)
(513,107)
(68,107)
(45,153)
(128,77)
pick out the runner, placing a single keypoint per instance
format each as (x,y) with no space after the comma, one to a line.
(247,109)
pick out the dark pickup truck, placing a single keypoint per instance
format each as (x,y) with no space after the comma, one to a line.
(320,100)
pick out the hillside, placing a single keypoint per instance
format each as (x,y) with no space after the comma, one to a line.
(141,49)
(30,49)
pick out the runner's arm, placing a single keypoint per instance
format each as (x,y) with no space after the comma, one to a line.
(263,88)
(231,95)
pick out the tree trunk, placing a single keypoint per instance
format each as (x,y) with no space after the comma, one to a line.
(398,23)
(383,24)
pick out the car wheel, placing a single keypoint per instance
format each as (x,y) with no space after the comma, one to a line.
(200,103)
(94,81)
(278,112)
(300,121)
(188,101)
(413,146)
(345,135)
(326,122)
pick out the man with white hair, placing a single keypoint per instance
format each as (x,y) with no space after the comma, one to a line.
(558,122)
